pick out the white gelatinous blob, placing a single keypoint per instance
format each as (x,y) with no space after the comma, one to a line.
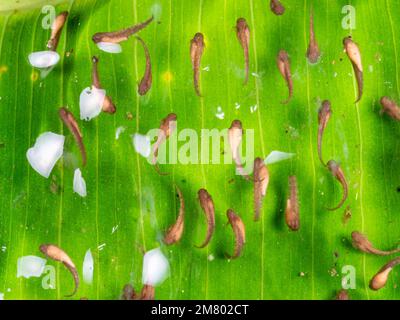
(220,113)
(79,183)
(109,47)
(277,156)
(43,59)
(142,144)
(155,267)
(156,10)
(87,269)
(30,266)
(118,132)
(45,153)
(90,102)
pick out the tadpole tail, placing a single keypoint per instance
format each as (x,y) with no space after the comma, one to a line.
(83,151)
(95,73)
(246,64)
(257,207)
(136,28)
(196,78)
(344,198)
(74,273)
(210,231)
(159,171)
(359,78)
(241,171)
(320,146)
(290,88)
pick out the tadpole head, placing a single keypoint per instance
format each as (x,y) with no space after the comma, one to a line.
(283,56)
(241,23)
(95,59)
(333,166)
(202,194)
(43,248)
(325,109)
(236,124)
(379,280)
(172,117)
(347,40)
(258,163)
(97,38)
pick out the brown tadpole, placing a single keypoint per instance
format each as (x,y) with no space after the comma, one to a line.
(235,134)
(167,126)
(207,204)
(390,107)
(379,280)
(174,233)
(342,295)
(55,253)
(147,293)
(292,215)
(108,105)
(361,242)
(196,51)
(337,172)
(69,120)
(243,35)
(313,52)
(284,68)
(324,114)
(56,29)
(277,7)
(129,293)
(239,231)
(261,180)
(353,52)
(121,35)
(145,83)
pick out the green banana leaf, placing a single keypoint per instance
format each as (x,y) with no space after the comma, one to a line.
(129,206)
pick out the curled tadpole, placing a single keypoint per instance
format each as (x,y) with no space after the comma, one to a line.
(379,280)
(129,293)
(145,83)
(56,30)
(167,126)
(353,52)
(235,134)
(239,231)
(55,253)
(390,107)
(277,7)
(207,204)
(284,68)
(313,52)
(69,120)
(337,172)
(342,295)
(148,292)
(261,180)
(122,35)
(292,215)
(174,233)
(196,51)
(361,242)
(243,35)
(108,106)
(324,115)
